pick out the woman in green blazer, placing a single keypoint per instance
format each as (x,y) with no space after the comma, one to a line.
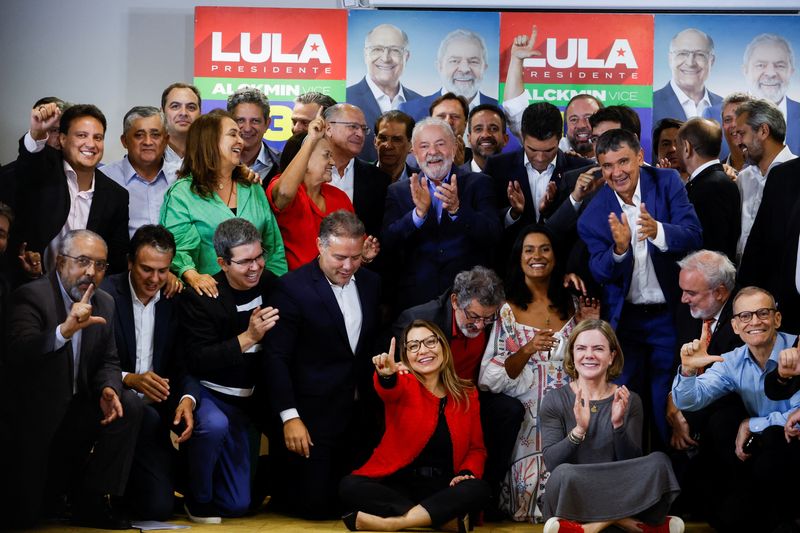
(213,188)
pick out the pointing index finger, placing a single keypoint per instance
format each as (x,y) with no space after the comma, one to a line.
(88,294)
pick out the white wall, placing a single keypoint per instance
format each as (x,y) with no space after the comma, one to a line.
(111,53)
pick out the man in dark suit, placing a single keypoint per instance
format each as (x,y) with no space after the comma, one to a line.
(635,230)
(79,437)
(363,183)
(145,329)
(385,56)
(713,194)
(462,62)
(441,221)
(691,56)
(393,141)
(56,192)
(318,368)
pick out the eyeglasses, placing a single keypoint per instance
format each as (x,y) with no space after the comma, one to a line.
(395,52)
(474,318)
(762,314)
(84,262)
(429,342)
(683,55)
(352,126)
(248,262)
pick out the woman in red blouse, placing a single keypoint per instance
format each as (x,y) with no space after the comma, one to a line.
(301,196)
(425,470)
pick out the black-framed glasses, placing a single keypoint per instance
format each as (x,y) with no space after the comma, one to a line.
(247,262)
(84,262)
(352,126)
(475,318)
(762,314)
(429,342)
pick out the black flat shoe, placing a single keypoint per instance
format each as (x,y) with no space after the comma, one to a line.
(350,520)
(463,524)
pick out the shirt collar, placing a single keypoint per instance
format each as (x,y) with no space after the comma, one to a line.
(335,286)
(68,301)
(129,173)
(637,195)
(474,166)
(379,94)
(73,177)
(683,99)
(529,165)
(136,299)
(783,156)
(702,167)
(263,157)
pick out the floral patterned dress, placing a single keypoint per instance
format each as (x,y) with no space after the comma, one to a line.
(523,487)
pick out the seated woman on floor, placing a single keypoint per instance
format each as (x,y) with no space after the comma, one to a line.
(592,446)
(425,470)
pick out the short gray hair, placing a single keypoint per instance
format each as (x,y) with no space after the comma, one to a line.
(142,111)
(432,121)
(232,233)
(343,224)
(760,111)
(403,34)
(462,34)
(768,38)
(480,284)
(249,95)
(65,246)
(703,34)
(715,267)
(314,97)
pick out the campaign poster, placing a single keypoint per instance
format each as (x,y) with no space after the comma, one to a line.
(708,57)
(267,48)
(608,56)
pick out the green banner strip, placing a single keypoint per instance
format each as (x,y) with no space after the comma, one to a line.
(560,94)
(279,90)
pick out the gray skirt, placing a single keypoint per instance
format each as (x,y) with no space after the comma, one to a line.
(644,488)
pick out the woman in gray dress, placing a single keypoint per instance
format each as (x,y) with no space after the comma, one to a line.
(591,437)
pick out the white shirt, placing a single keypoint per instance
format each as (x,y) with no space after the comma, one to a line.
(514,109)
(797,269)
(689,107)
(702,167)
(538,183)
(751,188)
(76,337)
(345,183)
(644,288)
(383,100)
(474,166)
(144,322)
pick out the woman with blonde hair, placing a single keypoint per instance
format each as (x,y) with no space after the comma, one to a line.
(426,469)
(592,446)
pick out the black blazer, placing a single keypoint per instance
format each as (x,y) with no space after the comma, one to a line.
(369,195)
(770,256)
(166,360)
(308,362)
(41,204)
(718,205)
(723,340)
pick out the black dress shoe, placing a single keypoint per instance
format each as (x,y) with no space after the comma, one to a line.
(96,511)
(350,520)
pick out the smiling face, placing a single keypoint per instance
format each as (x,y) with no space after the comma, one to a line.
(320,164)
(729,121)
(250,119)
(149,271)
(758,332)
(621,170)
(75,278)
(245,267)
(83,143)
(486,134)
(145,141)
(340,258)
(472,320)
(385,55)
(230,145)
(668,147)
(749,140)
(345,137)
(181,109)
(538,259)
(426,361)
(462,67)
(690,58)
(434,149)
(592,355)
(392,143)
(703,301)
(579,131)
(451,112)
(768,71)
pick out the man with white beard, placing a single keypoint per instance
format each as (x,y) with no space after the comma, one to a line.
(462,62)
(441,221)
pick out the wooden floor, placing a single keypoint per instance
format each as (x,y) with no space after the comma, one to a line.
(274,523)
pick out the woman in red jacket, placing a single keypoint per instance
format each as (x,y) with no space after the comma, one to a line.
(425,470)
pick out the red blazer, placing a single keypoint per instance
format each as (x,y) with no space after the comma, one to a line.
(411,413)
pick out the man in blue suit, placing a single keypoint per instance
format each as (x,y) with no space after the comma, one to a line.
(385,56)
(636,228)
(144,328)
(691,56)
(462,63)
(439,222)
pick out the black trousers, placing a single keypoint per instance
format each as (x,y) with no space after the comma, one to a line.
(501,418)
(396,494)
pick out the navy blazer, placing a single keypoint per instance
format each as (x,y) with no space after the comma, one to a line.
(308,362)
(420,108)
(360,95)
(665,196)
(167,362)
(430,256)
(667,105)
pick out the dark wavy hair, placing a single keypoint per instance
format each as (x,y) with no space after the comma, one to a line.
(202,161)
(517,291)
